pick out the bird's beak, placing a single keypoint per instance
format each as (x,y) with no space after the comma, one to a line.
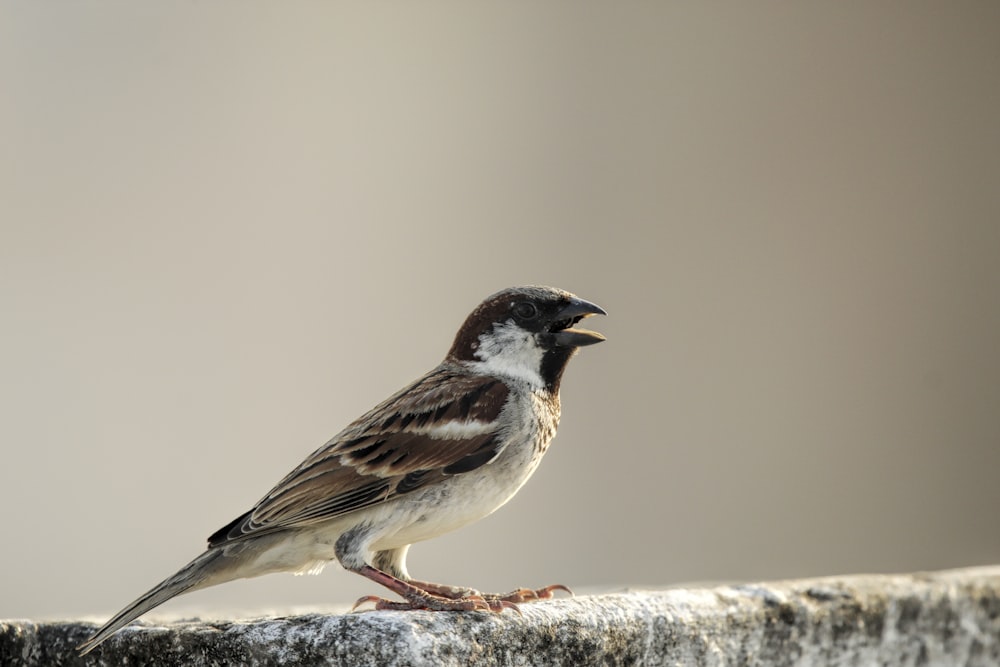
(562,329)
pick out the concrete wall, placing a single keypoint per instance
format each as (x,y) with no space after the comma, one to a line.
(941,618)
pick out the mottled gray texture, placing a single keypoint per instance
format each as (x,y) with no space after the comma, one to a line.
(950,617)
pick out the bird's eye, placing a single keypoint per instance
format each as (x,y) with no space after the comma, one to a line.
(525,310)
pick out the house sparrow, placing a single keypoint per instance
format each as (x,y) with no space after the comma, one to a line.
(447,450)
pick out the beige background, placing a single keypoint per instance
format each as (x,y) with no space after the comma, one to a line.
(229,228)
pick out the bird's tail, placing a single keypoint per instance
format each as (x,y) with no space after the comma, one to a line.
(205,570)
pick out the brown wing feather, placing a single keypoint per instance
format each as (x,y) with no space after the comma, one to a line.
(401,445)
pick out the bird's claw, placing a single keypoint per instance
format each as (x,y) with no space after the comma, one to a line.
(368,598)
(530,595)
(500,605)
(547,592)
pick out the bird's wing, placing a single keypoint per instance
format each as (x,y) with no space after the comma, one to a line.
(443,424)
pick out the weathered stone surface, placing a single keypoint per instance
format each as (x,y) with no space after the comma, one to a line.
(943,618)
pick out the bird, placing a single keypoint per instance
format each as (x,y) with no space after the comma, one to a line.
(443,452)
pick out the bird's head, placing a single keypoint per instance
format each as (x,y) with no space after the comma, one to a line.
(525,333)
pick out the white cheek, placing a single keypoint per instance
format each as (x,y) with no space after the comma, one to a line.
(510,351)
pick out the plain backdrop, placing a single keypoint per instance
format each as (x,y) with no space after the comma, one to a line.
(230,228)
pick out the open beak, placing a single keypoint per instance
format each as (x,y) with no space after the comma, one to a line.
(563,328)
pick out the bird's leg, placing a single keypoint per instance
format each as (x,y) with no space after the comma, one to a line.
(418,598)
(514,597)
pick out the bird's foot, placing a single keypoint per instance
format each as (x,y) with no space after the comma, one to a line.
(418,597)
(529,594)
(429,602)
(438,597)
(515,596)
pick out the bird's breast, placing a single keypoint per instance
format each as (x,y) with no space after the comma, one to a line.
(530,424)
